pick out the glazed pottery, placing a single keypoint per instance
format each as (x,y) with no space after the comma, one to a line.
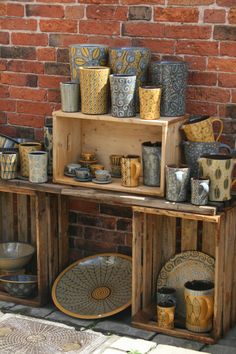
(172,77)
(24,149)
(177,181)
(116,171)
(95,167)
(83,173)
(150,98)
(8,165)
(130,170)
(165,294)
(201,130)
(69,96)
(88,156)
(48,143)
(218,168)
(199,299)
(115,159)
(199,191)
(7,142)
(38,161)
(23,285)
(133,61)
(86,55)
(151,157)
(15,255)
(194,150)
(71,168)
(94,84)
(123,95)
(102,175)
(166,314)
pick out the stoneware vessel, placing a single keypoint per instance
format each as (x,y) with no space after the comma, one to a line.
(151,157)
(8,165)
(48,143)
(123,95)
(150,98)
(199,299)
(86,55)
(83,173)
(201,130)
(24,150)
(218,168)
(130,170)
(165,294)
(94,84)
(69,96)
(95,167)
(166,314)
(102,175)
(177,182)
(199,191)
(115,159)
(38,161)
(172,77)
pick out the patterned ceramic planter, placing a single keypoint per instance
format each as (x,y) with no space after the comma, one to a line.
(24,149)
(69,96)
(38,166)
(132,61)
(151,157)
(150,98)
(177,181)
(122,95)
(94,84)
(130,170)
(172,76)
(86,55)
(8,165)
(47,130)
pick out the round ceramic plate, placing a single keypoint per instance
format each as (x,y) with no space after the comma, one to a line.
(94,287)
(101,182)
(77,179)
(183,267)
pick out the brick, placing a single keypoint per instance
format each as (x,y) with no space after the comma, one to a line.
(222,64)
(141,2)
(129,239)
(110,41)
(233,96)
(188,31)
(32,107)
(196,62)
(63,40)
(116,210)
(16,10)
(191,2)
(56,1)
(18,24)
(94,247)
(214,16)
(231,110)
(54,11)
(46,54)
(63,55)
(8,130)
(61,26)
(34,94)
(141,29)
(34,39)
(194,107)
(83,206)
(50,81)
(25,66)
(99,12)
(143,13)
(228,49)
(26,120)
(99,2)
(197,47)
(208,94)
(3,65)
(3,117)
(124,225)
(156,45)
(19,79)
(110,28)
(57,69)
(54,95)
(101,235)
(232,16)
(4,37)
(105,222)
(74,12)
(18,52)
(226,33)
(229,127)
(226,3)
(8,105)
(76,231)
(176,14)
(202,78)
(227,80)
(3,9)
(4,91)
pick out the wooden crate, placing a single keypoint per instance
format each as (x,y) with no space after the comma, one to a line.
(74,133)
(158,234)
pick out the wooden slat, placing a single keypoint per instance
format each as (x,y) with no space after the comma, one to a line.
(189,231)
(53,253)
(32,220)
(22,217)
(233,317)
(1,218)
(208,238)
(168,238)
(147,260)
(157,250)
(63,232)
(8,233)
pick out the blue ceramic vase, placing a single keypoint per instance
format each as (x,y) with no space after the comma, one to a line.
(172,76)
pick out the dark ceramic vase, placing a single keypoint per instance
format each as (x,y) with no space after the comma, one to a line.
(151,157)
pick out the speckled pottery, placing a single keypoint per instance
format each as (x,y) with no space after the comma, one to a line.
(122,95)
(150,99)
(166,314)
(86,55)
(165,294)
(48,143)
(69,96)
(38,166)
(172,76)
(130,170)
(24,149)
(199,191)
(177,181)
(151,158)
(201,130)
(8,165)
(132,61)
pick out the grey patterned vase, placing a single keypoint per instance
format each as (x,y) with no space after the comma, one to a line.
(165,294)
(122,95)
(177,183)
(47,130)
(132,61)
(38,166)
(151,157)
(172,76)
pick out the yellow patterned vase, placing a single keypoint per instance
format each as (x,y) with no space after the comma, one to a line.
(8,165)
(202,130)
(130,170)
(24,149)
(150,99)
(94,85)
(166,314)
(199,300)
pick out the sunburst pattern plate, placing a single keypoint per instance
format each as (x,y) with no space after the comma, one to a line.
(94,287)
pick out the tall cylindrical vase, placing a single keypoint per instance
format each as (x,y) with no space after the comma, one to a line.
(38,166)
(70,98)
(150,98)
(94,84)
(24,149)
(172,76)
(8,165)
(48,144)
(151,157)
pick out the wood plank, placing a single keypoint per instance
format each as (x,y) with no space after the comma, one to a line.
(233,317)
(1,218)
(157,250)
(189,232)
(63,239)
(32,220)
(22,217)
(168,238)
(21,186)
(52,224)
(8,233)
(147,260)
(208,238)
(35,302)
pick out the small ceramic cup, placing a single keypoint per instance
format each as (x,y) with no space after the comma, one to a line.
(102,175)
(87,156)
(8,165)
(166,314)
(116,159)
(116,171)
(71,168)
(95,167)
(83,173)
(199,191)
(165,294)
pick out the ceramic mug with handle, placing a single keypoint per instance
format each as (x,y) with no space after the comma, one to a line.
(130,170)
(177,181)
(202,130)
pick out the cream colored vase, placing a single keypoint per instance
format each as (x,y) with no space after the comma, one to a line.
(24,149)
(130,170)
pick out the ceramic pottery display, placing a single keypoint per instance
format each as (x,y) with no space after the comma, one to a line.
(24,149)
(48,143)
(71,168)
(133,61)
(69,96)
(202,130)
(194,150)
(172,77)
(199,299)
(166,314)
(218,168)
(165,294)
(95,167)
(151,157)
(38,161)
(199,191)
(94,84)
(150,98)
(7,142)
(116,165)
(177,181)
(8,165)
(130,170)
(86,55)
(123,95)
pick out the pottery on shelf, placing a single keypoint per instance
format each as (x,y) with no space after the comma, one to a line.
(150,99)
(151,157)
(201,129)
(199,191)
(48,144)
(38,161)
(177,181)
(70,97)
(24,150)
(130,170)
(8,165)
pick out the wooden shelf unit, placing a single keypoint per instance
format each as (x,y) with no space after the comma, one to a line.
(155,241)
(74,133)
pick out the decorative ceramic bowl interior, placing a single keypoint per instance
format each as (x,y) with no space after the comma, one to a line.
(15,255)
(19,285)
(7,142)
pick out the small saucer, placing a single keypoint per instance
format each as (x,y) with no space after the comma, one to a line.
(69,174)
(83,179)
(102,182)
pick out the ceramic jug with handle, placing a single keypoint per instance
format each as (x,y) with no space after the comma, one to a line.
(218,168)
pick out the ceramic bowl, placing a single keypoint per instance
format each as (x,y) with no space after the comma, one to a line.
(15,255)
(7,142)
(19,285)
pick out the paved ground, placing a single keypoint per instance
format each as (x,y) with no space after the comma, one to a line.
(120,325)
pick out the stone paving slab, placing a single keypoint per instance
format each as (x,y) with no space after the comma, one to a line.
(58,316)
(230,342)
(219,349)
(178,342)
(168,349)
(131,345)
(39,312)
(6,305)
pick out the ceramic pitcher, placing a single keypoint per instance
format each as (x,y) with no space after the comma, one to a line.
(202,130)
(218,168)
(177,181)
(130,170)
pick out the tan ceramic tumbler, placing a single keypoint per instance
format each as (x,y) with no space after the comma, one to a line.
(150,99)
(24,150)
(130,170)
(166,314)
